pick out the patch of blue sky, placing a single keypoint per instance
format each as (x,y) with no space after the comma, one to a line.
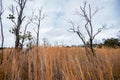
(118,7)
(116,11)
(58,16)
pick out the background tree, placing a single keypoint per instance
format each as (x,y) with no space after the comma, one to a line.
(37,21)
(2,35)
(46,42)
(87,14)
(26,36)
(18,20)
(112,42)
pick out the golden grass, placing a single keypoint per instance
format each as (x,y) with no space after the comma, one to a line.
(60,63)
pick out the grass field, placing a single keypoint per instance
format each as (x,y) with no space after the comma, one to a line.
(60,63)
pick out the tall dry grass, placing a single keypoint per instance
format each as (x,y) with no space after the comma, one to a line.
(60,63)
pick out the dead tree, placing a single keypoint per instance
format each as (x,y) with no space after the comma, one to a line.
(20,18)
(37,21)
(2,35)
(26,34)
(45,42)
(87,14)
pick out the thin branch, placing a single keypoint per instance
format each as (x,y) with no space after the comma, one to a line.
(12,9)
(43,17)
(17,10)
(1,12)
(84,12)
(87,29)
(73,26)
(97,9)
(29,21)
(23,18)
(78,13)
(81,37)
(14,22)
(90,12)
(99,30)
(76,31)
(35,30)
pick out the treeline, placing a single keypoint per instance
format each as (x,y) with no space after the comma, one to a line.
(111,42)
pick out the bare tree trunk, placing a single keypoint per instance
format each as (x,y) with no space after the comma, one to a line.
(17,42)
(38,32)
(38,27)
(91,47)
(37,21)
(19,22)
(2,41)
(88,27)
(87,52)
(1,12)
(2,33)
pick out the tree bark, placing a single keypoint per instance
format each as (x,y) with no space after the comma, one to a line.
(19,22)
(17,42)
(38,35)
(1,12)
(91,47)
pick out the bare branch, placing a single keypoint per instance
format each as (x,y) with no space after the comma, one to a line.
(97,9)
(23,18)
(86,27)
(17,10)
(73,26)
(99,30)
(35,30)
(12,9)
(14,22)
(37,21)
(90,12)
(20,18)
(78,13)
(76,31)
(43,17)
(1,12)
(81,37)
(84,12)
(28,22)
(38,18)
(24,33)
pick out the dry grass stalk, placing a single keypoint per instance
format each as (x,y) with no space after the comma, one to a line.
(60,63)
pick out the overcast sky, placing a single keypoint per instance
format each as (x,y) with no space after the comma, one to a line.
(55,26)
